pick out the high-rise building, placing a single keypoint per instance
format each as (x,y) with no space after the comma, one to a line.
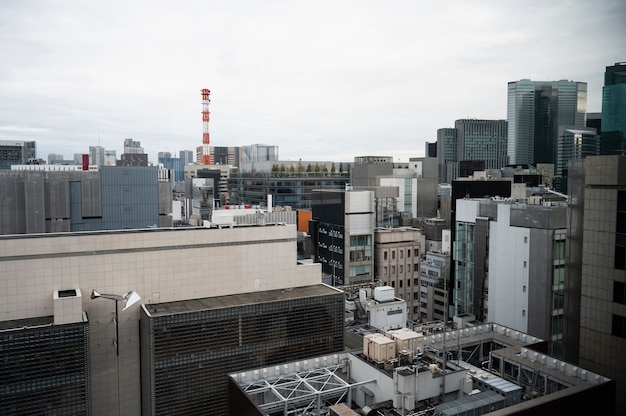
(474,144)
(614,110)
(258,153)
(434,289)
(535,111)
(595,276)
(132,146)
(447,155)
(186,157)
(15,152)
(431,149)
(225,155)
(173,164)
(96,155)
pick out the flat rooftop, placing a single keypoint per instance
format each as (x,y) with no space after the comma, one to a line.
(26,323)
(229,301)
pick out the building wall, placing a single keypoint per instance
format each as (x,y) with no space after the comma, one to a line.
(508,272)
(45,368)
(397,256)
(161,265)
(187,353)
(602,339)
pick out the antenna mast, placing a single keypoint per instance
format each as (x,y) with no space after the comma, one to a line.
(206,138)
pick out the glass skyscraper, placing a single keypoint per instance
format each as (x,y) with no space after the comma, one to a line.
(535,111)
(614,110)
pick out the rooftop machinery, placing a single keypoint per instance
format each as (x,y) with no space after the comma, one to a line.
(206,138)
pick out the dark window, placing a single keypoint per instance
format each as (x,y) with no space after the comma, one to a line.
(620,257)
(620,227)
(619,326)
(621,201)
(619,292)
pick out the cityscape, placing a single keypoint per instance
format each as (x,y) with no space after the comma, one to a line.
(307,259)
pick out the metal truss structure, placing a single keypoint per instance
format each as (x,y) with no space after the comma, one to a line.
(302,393)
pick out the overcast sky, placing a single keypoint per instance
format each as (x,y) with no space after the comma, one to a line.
(323,80)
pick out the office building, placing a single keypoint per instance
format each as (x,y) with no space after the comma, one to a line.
(480,144)
(74,200)
(342,235)
(288,188)
(258,153)
(173,164)
(53,157)
(96,155)
(595,278)
(221,155)
(431,149)
(486,369)
(397,256)
(509,265)
(46,361)
(186,157)
(434,273)
(15,152)
(535,111)
(574,143)
(613,114)
(162,266)
(132,146)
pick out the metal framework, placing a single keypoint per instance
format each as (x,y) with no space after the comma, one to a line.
(305,391)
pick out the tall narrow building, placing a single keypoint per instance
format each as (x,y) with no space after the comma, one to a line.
(595,277)
(614,110)
(535,111)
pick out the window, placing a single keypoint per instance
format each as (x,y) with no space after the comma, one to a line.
(393,255)
(525,264)
(393,284)
(401,253)
(558,275)
(416,267)
(393,270)
(416,252)
(401,269)
(524,288)
(400,283)
(408,282)
(384,255)
(619,326)
(525,239)
(619,292)
(524,313)
(620,258)
(408,253)
(558,249)
(385,271)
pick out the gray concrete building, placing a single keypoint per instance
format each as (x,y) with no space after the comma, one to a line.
(41,201)
(595,276)
(168,267)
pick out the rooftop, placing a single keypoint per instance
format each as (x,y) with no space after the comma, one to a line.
(229,301)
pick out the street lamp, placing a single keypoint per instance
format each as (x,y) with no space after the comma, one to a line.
(129,299)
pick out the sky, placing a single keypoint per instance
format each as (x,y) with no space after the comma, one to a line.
(323,80)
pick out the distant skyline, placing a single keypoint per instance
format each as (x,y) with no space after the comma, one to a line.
(324,80)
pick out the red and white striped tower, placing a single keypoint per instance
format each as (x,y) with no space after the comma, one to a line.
(206,138)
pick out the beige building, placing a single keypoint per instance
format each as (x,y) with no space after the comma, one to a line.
(162,265)
(397,254)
